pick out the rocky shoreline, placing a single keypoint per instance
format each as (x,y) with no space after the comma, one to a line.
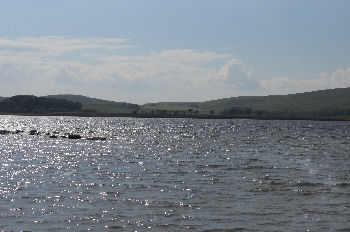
(53,135)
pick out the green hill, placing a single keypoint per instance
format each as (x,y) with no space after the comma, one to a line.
(3,98)
(98,105)
(300,102)
(28,104)
(93,101)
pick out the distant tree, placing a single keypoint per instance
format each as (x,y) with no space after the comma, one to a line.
(89,111)
(238,111)
(259,112)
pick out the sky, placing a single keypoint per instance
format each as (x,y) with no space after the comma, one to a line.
(143,51)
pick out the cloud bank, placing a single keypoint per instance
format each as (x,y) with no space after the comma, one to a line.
(113,69)
(282,85)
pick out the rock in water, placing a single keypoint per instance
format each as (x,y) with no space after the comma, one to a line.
(71,136)
(33,132)
(4,132)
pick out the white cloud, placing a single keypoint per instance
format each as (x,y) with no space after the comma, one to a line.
(96,67)
(282,85)
(236,74)
(58,44)
(180,74)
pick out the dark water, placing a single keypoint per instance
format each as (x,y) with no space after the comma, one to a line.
(174,175)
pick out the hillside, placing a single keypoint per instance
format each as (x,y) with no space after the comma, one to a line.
(322,103)
(28,104)
(303,102)
(3,98)
(98,105)
(93,101)
(308,101)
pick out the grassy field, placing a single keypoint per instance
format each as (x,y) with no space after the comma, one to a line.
(165,107)
(172,109)
(107,109)
(147,110)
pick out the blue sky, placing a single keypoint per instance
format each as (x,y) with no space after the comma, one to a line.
(183,50)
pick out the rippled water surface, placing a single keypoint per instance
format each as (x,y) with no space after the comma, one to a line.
(174,175)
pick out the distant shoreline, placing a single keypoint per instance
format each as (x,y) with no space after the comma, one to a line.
(185,116)
(322,105)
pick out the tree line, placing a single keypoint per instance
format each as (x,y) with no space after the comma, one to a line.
(325,112)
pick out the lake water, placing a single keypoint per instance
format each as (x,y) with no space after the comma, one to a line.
(174,175)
